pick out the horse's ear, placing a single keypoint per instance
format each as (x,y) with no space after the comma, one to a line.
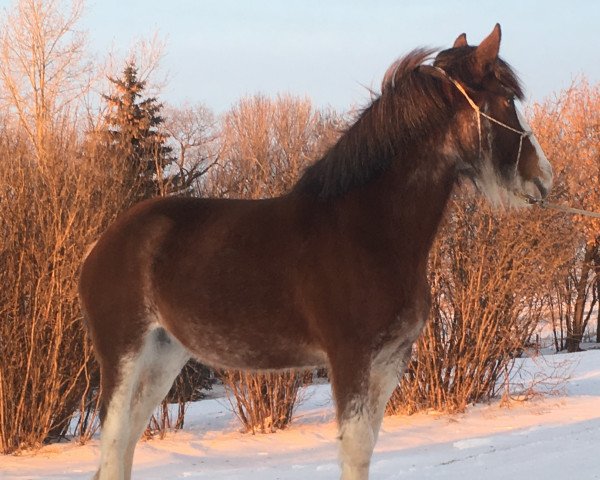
(461,41)
(486,53)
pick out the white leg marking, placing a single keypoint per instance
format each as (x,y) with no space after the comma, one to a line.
(359,431)
(383,384)
(386,371)
(116,427)
(145,378)
(357,443)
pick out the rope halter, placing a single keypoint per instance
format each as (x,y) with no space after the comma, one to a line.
(478,114)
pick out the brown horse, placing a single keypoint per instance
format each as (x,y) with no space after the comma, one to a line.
(332,273)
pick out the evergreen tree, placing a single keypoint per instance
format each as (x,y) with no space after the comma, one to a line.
(134,132)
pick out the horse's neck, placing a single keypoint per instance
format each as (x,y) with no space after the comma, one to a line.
(406,203)
(425,195)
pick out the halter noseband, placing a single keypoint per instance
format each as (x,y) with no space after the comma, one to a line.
(478,113)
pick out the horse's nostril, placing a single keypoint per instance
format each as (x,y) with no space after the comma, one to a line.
(543,190)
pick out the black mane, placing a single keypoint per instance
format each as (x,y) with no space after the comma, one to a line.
(412,104)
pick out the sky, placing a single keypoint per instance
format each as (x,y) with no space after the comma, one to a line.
(334,50)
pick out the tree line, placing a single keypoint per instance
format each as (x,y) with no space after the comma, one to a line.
(79,144)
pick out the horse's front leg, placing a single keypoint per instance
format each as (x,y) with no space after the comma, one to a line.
(361,388)
(385,374)
(350,384)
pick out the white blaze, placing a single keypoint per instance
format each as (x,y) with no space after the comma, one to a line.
(543,162)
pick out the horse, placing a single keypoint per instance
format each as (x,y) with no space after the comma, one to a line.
(332,273)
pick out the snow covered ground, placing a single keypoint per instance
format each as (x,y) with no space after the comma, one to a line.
(551,438)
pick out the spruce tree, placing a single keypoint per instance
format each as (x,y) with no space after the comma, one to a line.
(134,133)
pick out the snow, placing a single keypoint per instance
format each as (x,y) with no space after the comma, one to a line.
(549,437)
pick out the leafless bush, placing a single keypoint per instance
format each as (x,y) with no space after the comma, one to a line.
(568,127)
(489,275)
(263,402)
(189,386)
(266,144)
(522,383)
(52,210)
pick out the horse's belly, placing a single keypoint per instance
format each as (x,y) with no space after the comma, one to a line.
(252,359)
(244,350)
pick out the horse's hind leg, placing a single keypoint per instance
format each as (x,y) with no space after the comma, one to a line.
(135,386)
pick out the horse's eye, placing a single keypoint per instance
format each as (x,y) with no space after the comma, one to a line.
(510,101)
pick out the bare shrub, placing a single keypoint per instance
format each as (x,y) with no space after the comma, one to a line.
(52,210)
(59,189)
(489,275)
(568,127)
(187,387)
(49,212)
(494,278)
(263,402)
(266,144)
(549,377)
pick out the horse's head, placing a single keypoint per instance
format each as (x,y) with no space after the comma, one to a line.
(497,149)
